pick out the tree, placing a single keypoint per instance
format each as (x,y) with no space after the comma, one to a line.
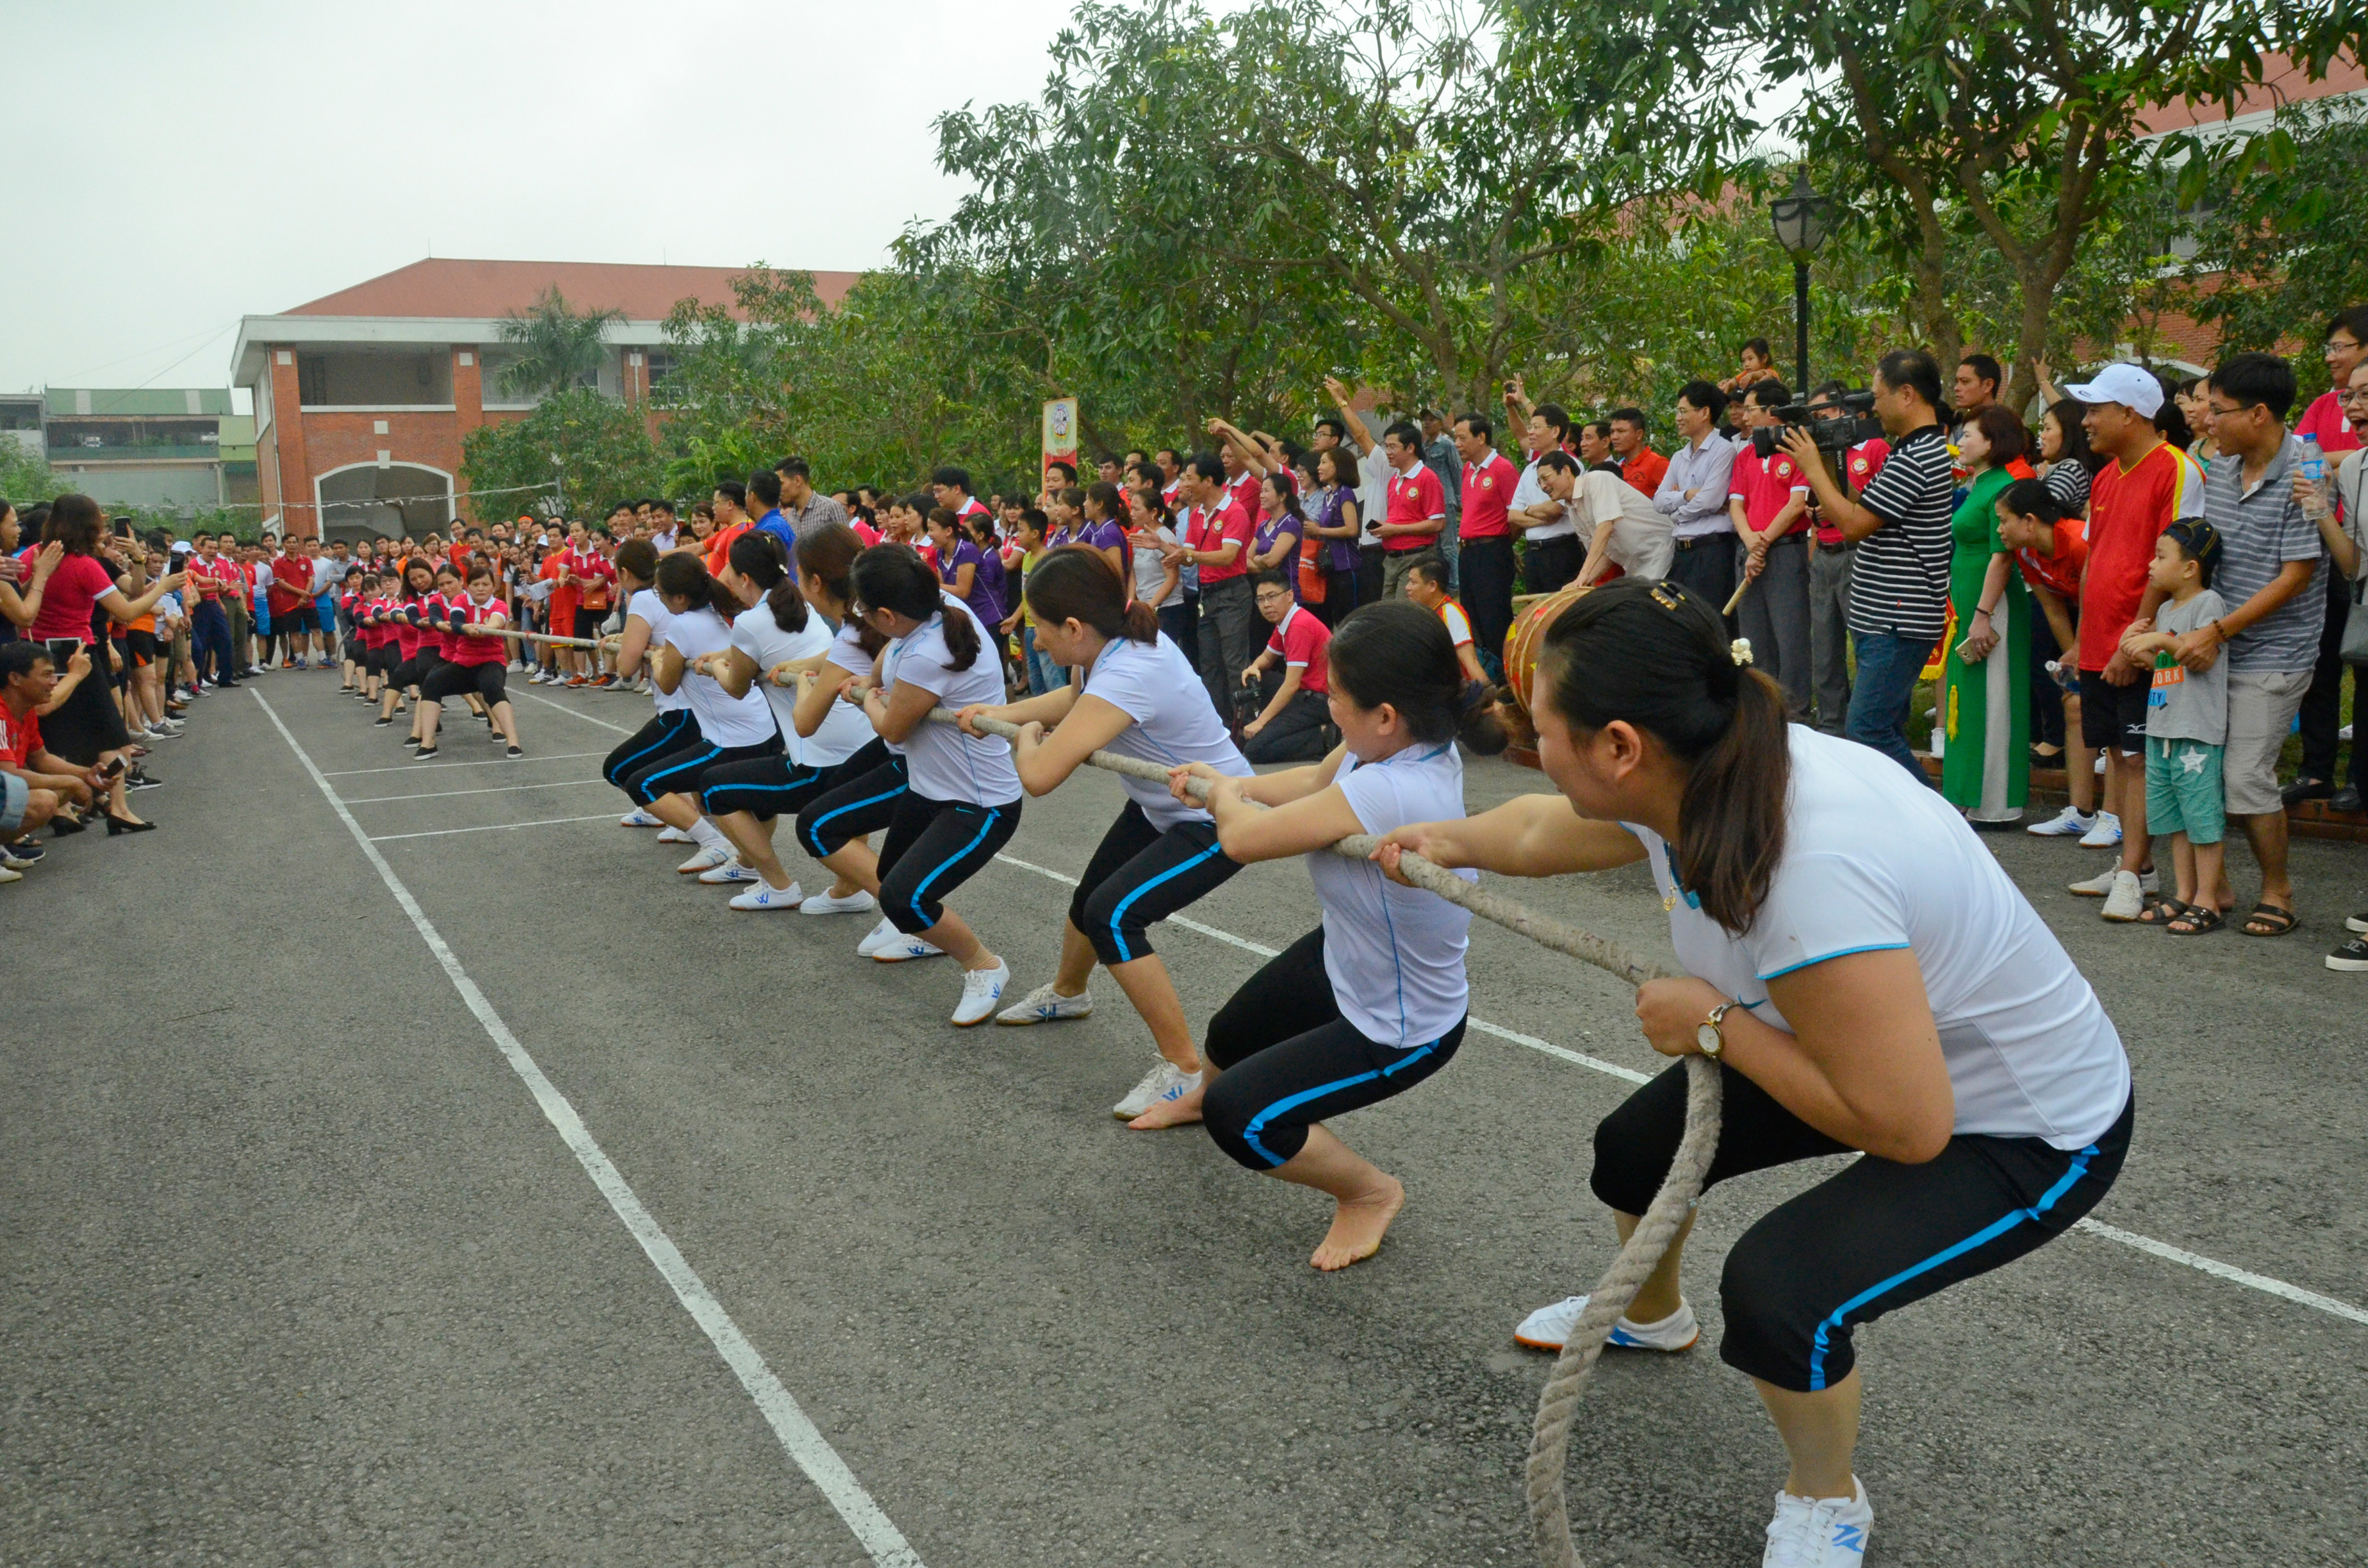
(587,451)
(2276,227)
(2024,119)
(559,346)
(25,474)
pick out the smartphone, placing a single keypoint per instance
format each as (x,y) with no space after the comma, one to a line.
(62,649)
(113,770)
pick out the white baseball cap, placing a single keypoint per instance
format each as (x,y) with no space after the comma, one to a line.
(2131,385)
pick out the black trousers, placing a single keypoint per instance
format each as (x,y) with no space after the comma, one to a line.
(1369,574)
(1288,1060)
(1139,874)
(1487,569)
(858,799)
(932,847)
(663,733)
(1551,563)
(764,786)
(449,680)
(2322,706)
(1875,1237)
(1295,734)
(1706,565)
(677,772)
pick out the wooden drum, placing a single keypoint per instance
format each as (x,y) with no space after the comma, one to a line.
(1522,646)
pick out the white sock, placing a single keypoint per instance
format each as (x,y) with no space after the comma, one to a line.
(709,837)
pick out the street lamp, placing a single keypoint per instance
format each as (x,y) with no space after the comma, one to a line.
(1801,221)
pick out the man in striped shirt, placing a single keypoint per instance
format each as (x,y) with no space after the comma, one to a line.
(1899,575)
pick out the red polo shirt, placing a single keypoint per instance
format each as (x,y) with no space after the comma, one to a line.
(20,736)
(1416,497)
(1209,531)
(1765,485)
(1645,469)
(1487,498)
(1302,639)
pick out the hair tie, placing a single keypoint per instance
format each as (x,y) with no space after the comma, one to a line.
(1740,652)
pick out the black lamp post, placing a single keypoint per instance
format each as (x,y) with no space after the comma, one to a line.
(1801,220)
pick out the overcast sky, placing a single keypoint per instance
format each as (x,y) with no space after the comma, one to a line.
(178,166)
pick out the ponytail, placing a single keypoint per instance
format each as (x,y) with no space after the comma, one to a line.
(825,557)
(760,557)
(1077,583)
(892,577)
(1654,655)
(1394,651)
(683,575)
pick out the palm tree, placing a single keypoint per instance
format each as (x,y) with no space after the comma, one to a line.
(559,347)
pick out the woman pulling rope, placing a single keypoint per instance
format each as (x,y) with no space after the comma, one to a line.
(1867,980)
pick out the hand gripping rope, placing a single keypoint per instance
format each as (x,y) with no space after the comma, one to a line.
(1550,1438)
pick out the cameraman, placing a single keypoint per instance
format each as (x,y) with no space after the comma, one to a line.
(1829,565)
(1899,577)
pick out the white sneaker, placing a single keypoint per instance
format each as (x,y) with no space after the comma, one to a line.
(900,947)
(638,818)
(2104,832)
(1043,1004)
(1549,1328)
(10,874)
(982,989)
(2064,824)
(706,860)
(1819,1532)
(854,902)
(878,937)
(2127,900)
(730,871)
(1164,1083)
(675,835)
(762,897)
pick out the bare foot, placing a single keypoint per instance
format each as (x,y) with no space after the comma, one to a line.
(1181,1111)
(1357,1227)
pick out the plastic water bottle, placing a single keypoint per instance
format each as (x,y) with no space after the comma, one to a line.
(2314,461)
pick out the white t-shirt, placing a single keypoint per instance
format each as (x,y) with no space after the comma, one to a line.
(1531,492)
(1394,954)
(723,720)
(657,618)
(942,763)
(755,633)
(1873,860)
(1149,569)
(1373,476)
(1156,686)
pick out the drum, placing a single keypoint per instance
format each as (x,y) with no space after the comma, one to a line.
(1526,640)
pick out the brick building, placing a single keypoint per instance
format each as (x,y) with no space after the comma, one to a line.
(362,397)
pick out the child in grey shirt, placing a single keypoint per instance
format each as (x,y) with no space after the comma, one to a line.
(2187,725)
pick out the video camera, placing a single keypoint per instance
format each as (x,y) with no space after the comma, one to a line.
(1835,423)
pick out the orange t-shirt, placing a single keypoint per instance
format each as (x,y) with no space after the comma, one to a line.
(719,549)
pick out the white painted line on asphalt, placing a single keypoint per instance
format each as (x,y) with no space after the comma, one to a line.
(490,762)
(490,827)
(2148,1245)
(803,1442)
(562,707)
(2213,1266)
(490,790)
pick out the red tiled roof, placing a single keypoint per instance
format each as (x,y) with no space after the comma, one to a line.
(2283,82)
(440,287)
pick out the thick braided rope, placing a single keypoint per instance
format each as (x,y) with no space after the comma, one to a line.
(1550,1438)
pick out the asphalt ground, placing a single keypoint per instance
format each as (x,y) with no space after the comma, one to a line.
(299,1271)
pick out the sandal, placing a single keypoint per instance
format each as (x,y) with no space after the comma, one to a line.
(2162,912)
(2200,920)
(2279,921)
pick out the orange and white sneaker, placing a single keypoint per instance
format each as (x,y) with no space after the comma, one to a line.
(1549,1328)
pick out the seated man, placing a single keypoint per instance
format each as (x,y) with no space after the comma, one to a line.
(1293,726)
(33,783)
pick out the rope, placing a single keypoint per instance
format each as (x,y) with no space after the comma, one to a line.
(1550,1438)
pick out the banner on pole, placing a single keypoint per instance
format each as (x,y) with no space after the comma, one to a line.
(1060,432)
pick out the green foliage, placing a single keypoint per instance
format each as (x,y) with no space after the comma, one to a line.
(559,347)
(26,474)
(582,451)
(2285,224)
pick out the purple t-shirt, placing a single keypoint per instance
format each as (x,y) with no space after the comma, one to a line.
(1272,528)
(1339,554)
(993,578)
(984,602)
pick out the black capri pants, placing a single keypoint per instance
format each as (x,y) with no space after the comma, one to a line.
(858,799)
(764,786)
(932,847)
(452,679)
(415,670)
(1140,874)
(1876,1235)
(665,731)
(1289,1059)
(677,772)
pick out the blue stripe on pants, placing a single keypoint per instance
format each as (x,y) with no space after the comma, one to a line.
(1291,1102)
(920,889)
(814,834)
(1986,1234)
(1118,914)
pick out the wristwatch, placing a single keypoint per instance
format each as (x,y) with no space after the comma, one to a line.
(1706,1033)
